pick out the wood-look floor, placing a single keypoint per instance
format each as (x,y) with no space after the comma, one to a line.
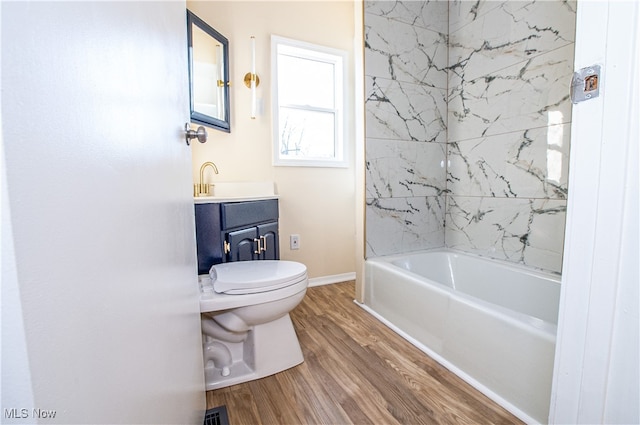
(356,371)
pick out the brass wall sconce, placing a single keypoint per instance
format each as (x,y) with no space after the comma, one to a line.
(251,79)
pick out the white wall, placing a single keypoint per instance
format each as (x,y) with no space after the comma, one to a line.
(596,376)
(316,203)
(101,292)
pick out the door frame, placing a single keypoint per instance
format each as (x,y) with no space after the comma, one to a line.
(601,245)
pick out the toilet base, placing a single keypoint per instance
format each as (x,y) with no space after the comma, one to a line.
(270,348)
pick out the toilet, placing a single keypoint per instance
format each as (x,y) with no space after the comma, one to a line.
(246,328)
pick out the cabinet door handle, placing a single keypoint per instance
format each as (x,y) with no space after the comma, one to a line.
(258,247)
(264,243)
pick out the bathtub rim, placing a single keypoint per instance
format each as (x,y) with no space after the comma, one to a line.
(540,326)
(546,274)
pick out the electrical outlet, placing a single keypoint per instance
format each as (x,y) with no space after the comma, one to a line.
(294,241)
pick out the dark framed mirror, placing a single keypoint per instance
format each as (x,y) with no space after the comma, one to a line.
(208,74)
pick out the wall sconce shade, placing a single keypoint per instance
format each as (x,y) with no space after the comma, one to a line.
(251,79)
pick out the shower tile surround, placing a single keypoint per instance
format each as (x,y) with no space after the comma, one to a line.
(468,127)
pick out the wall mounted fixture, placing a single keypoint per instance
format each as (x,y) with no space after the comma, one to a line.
(251,79)
(208,54)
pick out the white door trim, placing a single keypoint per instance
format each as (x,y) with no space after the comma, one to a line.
(601,245)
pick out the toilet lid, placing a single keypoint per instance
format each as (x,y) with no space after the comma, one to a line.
(249,277)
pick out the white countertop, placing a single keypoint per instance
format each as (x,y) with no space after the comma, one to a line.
(238,192)
(218,199)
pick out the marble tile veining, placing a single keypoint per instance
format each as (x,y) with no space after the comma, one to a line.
(510,33)
(531,163)
(404,224)
(404,111)
(499,120)
(525,231)
(405,168)
(532,93)
(428,14)
(465,12)
(398,51)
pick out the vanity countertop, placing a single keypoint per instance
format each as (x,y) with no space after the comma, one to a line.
(238,192)
(219,199)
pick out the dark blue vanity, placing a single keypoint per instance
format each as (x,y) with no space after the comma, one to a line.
(236,231)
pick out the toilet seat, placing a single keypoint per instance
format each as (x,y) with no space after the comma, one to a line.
(252,277)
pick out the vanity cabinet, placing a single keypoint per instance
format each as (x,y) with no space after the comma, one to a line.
(236,231)
(255,243)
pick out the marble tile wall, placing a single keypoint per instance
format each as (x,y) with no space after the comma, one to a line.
(468,127)
(406,53)
(510,65)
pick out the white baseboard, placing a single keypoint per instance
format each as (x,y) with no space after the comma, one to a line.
(336,278)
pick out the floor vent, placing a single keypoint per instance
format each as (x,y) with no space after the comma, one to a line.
(216,416)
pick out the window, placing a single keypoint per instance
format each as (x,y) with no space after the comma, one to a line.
(308,104)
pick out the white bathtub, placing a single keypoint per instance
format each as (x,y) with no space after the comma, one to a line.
(491,323)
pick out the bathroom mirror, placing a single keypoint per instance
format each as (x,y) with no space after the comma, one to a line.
(208,74)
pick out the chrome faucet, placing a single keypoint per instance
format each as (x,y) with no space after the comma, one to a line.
(202,189)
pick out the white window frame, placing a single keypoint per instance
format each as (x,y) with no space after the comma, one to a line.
(322,54)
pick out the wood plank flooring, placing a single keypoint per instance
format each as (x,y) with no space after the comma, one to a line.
(356,371)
